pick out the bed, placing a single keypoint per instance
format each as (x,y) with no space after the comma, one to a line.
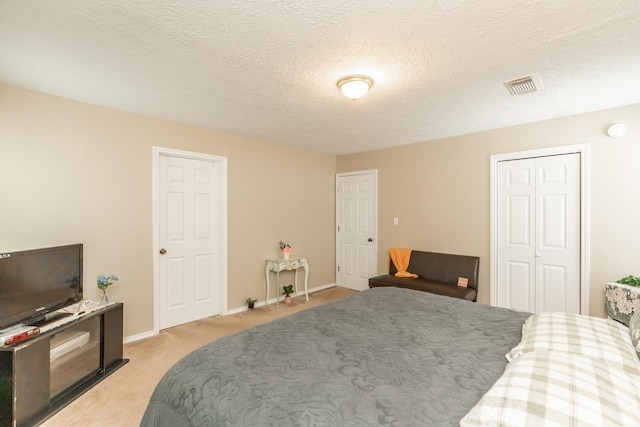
(384,356)
(381,356)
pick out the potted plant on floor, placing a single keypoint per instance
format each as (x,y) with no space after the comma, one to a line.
(288,290)
(251,303)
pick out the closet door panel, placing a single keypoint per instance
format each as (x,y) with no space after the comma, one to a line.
(516,230)
(558,233)
(538,239)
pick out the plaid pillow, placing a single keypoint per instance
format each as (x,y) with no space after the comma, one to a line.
(558,389)
(602,339)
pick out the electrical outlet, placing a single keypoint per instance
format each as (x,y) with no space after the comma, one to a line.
(395,220)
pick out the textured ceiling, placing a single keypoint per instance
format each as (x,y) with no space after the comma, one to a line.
(268,69)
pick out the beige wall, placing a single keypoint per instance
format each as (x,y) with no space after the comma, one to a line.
(72,172)
(439,190)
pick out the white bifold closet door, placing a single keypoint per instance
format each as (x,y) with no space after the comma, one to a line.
(538,243)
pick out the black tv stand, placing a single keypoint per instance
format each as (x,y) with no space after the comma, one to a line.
(48,318)
(42,375)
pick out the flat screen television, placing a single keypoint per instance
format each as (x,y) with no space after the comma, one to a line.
(35,283)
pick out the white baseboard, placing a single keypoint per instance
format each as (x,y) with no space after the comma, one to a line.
(138,337)
(149,334)
(321,288)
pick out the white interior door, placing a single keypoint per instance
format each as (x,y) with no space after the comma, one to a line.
(558,233)
(538,239)
(516,234)
(356,238)
(190,241)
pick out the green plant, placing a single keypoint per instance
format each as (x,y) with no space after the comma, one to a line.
(105,281)
(630,280)
(288,290)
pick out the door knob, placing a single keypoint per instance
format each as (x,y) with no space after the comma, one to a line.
(370,239)
(163,251)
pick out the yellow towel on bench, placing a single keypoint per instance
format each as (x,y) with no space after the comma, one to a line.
(400,258)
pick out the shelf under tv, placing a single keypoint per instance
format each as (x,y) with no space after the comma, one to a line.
(48,372)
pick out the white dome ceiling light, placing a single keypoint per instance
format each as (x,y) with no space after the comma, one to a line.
(354,87)
(617,130)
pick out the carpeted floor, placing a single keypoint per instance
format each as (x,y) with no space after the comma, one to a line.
(120,400)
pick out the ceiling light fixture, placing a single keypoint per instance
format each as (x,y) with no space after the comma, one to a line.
(617,130)
(354,87)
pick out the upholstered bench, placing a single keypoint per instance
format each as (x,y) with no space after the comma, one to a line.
(437,273)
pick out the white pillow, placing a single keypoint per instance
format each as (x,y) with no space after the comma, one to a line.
(603,339)
(558,389)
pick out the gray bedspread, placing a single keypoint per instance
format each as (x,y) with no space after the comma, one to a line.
(384,356)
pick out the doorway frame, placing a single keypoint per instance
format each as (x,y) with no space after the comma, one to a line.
(373,269)
(585,187)
(222,178)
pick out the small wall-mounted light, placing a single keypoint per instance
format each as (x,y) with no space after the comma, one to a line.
(617,130)
(354,87)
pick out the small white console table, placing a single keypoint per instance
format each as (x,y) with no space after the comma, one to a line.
(281,264)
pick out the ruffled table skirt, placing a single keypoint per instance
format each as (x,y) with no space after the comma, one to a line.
(621,301)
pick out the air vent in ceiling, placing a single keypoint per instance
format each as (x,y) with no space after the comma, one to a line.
(525,84)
